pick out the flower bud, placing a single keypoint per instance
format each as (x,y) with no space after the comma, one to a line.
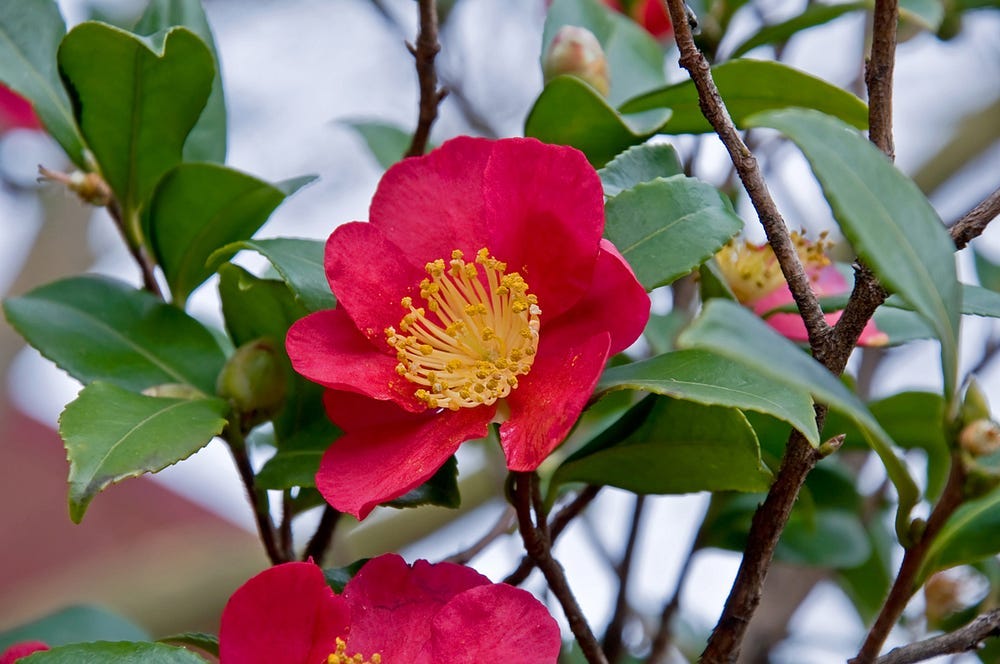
(575,51)
(980,438)
(975,406)
(90,187)
(253,380)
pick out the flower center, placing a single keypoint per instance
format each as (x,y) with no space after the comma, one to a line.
(480,334)
(340,656)
(753,272)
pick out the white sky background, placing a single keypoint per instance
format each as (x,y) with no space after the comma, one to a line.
(292,68)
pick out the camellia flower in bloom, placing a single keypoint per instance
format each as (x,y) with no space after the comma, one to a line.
(481,290)
(19,650)
(389,613)
(650,14)
(755,277)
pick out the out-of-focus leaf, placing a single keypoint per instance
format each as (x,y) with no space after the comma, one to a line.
(668,227)
(749,87)
(888,220)
(30,32)
(74,625)
(198,208)
(441,489)
(298,261)
(207,642)
(387,143)
(868,584)
(207,140)
(638,164)
(987,271)
(96,328)
(120,652)
(112,434)
(971,534)
(681,447)
(927,14)
(710,379)
(812,16)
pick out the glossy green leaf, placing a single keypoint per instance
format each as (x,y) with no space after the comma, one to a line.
(680,447)
(887,219)
(387,143)
(136,99)
(668,227)
(710,379)
(812,16)
(30,32)
(593,126)
(298,261)
(638,164)
(112,434)
(294,465)
(120,652)
(207,140)
(971,534)
(749,87)
(201,640)
(635,60)
(735,332)
(74,625)
(198,208)
(97,328)
(441,489)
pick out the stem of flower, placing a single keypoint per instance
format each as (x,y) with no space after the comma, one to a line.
(321,539)
(524,494)
(426,49)
(257,497)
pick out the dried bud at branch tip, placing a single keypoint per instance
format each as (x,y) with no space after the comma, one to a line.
(90,187)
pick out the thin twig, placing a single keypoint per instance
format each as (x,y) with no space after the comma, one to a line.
(320,542)
(878,75)
(507,520)
(285,526)
(964,639)
(537,545)
(426,49)
(559,522)
(664,633)
(613,636)
(905,584)
(976,220)
(257,497)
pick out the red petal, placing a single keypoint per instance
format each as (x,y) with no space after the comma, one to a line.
(386,451)
(545,215)
(16,111)
(326,348)
(433,204)
(369,274)
(550,398)
(616,302)
(495,623)
(284,615)
(19,650)
(393,605)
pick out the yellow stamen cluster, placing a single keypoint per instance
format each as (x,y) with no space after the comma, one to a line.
(752,271)
(476,335)
(340,656)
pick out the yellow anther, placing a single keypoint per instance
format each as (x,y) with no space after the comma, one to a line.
(340,656)
(406,302)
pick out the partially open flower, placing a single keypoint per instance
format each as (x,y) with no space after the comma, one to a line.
(389,613)
(481,290)
(575,51)
(754,276)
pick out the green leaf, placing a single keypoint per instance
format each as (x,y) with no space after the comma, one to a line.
(294,465)
(638,164)
(734,332)
(198,208)
(710,379)
(593,126)
(201,640)
(681,447)
(298,261)
(887,219)
(97,328)
(441,489)
(987,271)
(73,625)
(867,584)
(668,227)
(207,140)
(926,14)
(112,434)
(635,60)
(338,577)
(121,652)
(136,100)
(387,143)
(30,32)
(813,15)
(748,87)
(971,534)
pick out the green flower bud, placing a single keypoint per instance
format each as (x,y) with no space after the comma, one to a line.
(975,406)
(254,380)
(575,51)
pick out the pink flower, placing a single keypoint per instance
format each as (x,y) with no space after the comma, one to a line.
(481,290)
(389,613)
(16,112)
(19,650)
(650,14)
(755,278)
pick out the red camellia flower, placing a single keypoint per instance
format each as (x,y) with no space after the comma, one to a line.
(16,112)
(481,290)
(389,613)
(755,277)
(650,14)
(19,650)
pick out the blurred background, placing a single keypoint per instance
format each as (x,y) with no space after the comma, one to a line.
(166,551)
